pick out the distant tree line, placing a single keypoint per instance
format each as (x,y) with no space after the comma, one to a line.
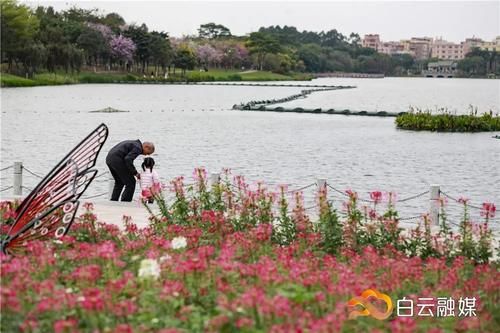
(71,40)
(480,63)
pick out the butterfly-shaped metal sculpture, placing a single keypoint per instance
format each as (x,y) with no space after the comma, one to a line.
(48,211)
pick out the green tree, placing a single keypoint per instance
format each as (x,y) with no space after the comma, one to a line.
(33,56)
(354,39)
(81,15)
(332,38)
(18,27)
(491,60)
(375,64)
(94,45)
(142,40)
(114,21)
(161,51)
(184,59)
(312,57)
(212,30)
(261,44)
(472,65)
(401,63)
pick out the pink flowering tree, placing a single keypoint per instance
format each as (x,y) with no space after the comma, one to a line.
(122,49)
(104,30)
(206,55)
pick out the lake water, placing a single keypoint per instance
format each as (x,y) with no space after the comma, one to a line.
(398,94)
(195,126)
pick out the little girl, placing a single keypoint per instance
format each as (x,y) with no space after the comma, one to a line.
(150,182)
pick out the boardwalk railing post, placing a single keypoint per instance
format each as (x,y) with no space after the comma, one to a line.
(434,204)
(321,183)
(17,186)
(111,185)
(214,179)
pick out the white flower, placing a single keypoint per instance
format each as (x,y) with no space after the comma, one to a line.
(155,321)
(69,290)
(134,258)
(164,258)
(149,268)
(179,243)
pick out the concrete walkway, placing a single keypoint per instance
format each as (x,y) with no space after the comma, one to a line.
(112,212)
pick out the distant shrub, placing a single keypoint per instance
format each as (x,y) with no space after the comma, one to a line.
(200,77)
(234,77)
(445,121)
(130,77)
(8,80)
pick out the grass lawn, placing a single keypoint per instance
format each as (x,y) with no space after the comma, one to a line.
(44,79)
(8,80)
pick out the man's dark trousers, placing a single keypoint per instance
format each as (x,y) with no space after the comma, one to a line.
(120,161)
(123,178)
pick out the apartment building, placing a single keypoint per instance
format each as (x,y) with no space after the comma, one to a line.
(371,41)
(442,49)
(425,47)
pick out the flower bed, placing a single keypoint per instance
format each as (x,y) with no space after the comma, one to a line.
(227,258)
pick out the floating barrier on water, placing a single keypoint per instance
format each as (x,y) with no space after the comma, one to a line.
(265,105)
(229,83)
(350,75)
(108,110)
(260,105)
(324,111)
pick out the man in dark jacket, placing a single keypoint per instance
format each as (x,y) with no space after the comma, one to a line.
(120,161)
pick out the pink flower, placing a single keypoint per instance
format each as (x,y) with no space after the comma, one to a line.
(64,326)
(263,232)
(376,196)
(88,273)
(488,210)
(200,174)
(93,300)
(9,214)
(107,250)
(244,322)
(123,328)
(88,206)
(463,200)
(352,195)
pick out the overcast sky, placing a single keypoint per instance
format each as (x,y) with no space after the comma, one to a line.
(393,20)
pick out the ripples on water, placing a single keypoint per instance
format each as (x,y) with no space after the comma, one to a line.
(194,126)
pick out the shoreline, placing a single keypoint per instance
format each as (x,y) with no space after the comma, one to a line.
(217,77)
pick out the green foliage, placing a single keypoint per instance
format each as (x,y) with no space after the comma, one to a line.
(45,79)
(184,59)
(76,38)
(93,43)
(330,228)
(480,62)
(212,30)
(235,77)
(18,28)
(445,121)
(161,51)
(261,44)
(8,80)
